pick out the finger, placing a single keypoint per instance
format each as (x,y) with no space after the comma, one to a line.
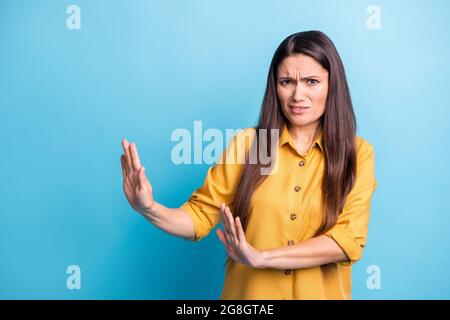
(142,178)
(134,157)
(222,239)
(231,224)
(227,227)
(240,230)
(125,174)
(223,216)
(122,164)
(126,149)
(232,253)
(221,236)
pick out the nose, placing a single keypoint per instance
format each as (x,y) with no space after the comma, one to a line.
(298,93)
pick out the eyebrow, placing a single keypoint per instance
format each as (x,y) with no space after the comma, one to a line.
(303,78)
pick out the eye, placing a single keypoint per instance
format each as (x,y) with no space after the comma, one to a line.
(286,82)
(312,81)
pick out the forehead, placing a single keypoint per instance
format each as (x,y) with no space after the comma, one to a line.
(300,64)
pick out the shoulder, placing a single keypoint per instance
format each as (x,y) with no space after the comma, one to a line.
(239,142)
(364,149)
(241,133)
(365,164)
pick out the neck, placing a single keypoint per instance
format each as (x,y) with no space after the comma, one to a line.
(304,135)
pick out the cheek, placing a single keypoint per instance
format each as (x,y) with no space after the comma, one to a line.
(320,96)
(283,95)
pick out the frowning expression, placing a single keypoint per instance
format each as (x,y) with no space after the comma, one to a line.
(302,88)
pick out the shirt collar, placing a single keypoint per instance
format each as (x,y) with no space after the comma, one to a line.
(285,137)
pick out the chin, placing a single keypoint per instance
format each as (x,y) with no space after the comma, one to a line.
(299,123)
(295,121)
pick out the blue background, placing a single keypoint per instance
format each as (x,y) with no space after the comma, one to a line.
(140,70)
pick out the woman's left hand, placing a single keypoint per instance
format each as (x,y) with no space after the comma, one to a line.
(233,238)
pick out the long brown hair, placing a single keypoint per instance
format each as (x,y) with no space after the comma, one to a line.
(338,123)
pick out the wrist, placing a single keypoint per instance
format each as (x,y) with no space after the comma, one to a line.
(263,258)
(152,212)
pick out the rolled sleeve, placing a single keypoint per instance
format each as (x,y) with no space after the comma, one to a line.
(219,186)
(351,229)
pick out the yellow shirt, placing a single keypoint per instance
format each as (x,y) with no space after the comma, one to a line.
(281,213)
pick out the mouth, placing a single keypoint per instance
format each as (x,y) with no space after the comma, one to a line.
(298,109)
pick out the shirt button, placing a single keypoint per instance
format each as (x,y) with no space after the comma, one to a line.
(287,272)
(290,242)
(297,188)
(293,216)
(301,163)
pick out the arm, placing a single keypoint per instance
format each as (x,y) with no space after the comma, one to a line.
(176,222)
(310,253)
(139,193)
(219,186)
(342,244)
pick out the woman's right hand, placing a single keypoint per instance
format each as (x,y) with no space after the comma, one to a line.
(136,186)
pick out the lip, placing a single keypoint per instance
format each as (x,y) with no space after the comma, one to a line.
(298,109)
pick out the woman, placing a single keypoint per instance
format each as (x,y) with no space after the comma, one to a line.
(293,234)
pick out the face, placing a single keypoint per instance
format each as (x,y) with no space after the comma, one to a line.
(302,89)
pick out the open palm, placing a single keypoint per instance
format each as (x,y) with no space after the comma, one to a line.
(136,186)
